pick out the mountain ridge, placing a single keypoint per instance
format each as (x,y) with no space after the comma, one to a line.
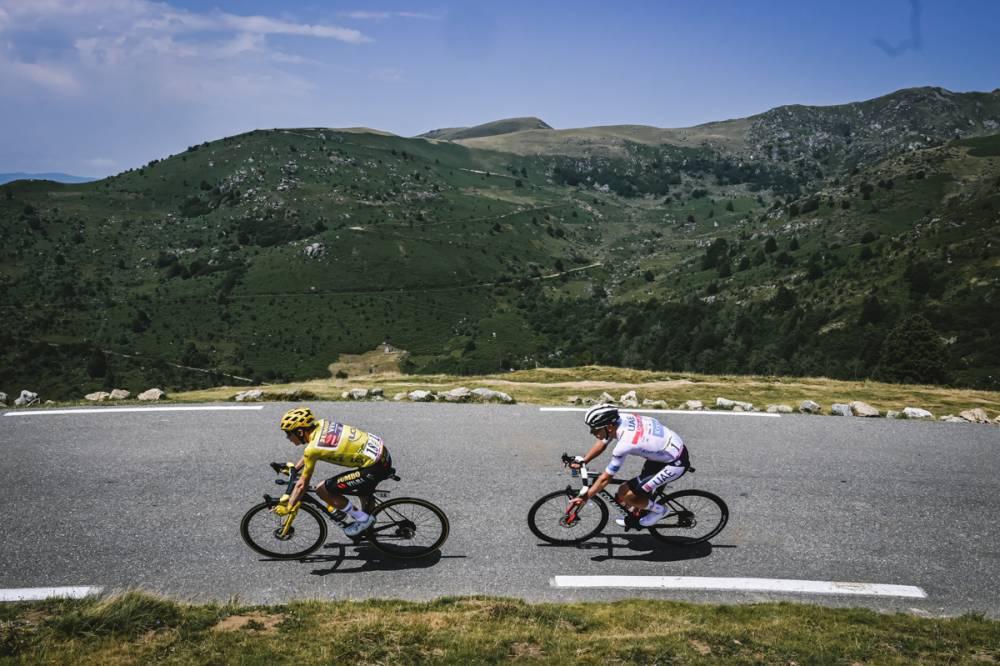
(648,255)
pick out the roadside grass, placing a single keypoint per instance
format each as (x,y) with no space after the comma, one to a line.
(136,627)
(553,386)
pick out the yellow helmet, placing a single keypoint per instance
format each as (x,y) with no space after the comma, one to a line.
(300,417)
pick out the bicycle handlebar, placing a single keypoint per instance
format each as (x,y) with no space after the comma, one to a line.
(586,475)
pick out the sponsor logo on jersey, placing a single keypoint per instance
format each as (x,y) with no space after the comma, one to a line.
(331,438)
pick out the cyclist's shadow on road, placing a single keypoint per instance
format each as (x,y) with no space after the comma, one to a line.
(360,557)
(645,549)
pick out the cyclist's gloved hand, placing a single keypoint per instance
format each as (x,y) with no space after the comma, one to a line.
(287,469)
(577,461)
(282,508)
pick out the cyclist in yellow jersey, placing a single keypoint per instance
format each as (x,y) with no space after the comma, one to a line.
(343,445)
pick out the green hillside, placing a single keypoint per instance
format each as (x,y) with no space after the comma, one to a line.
(266,255)
(497,127)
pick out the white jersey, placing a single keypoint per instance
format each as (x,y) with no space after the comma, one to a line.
(645,437)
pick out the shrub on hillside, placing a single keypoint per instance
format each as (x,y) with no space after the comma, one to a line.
(913,353)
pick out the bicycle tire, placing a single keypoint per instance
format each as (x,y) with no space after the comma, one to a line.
(257,538)
(685,506)
(395,528)
(556,531)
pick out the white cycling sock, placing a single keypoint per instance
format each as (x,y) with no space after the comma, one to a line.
(356,514)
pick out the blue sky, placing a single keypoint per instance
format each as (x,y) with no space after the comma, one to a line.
(92,87)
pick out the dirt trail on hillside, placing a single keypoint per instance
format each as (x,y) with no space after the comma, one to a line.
(582,385)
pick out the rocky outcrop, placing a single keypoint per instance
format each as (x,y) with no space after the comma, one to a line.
(152,394)
(98,396)
(253,395)
(976,415)
(399,396)
(840,409)
(120,394)
(863,409)
(951,418)
(605,398)
(460,394)
(488,395)
(355,394)
(693,405)
(810,407)
(573,400)
(315,250)
(26,399)
(778,409)
(736,405)
(654,404)
(916,413)
(629,399)
(420,396)
(893,414)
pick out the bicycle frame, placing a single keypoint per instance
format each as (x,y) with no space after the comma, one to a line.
(588,478)
(368,502)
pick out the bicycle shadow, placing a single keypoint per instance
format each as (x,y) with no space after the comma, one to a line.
(651,549)
(367,559)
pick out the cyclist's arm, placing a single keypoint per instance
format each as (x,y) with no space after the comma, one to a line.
(596,450)
(303,481)
(598,485)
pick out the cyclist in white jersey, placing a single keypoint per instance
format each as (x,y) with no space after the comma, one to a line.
(634,435)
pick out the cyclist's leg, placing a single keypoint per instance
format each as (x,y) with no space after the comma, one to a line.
(633,493)
(361,481)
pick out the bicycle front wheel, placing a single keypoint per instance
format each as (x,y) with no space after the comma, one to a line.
(548,520)
(407,527)
(695,517)
(262,530)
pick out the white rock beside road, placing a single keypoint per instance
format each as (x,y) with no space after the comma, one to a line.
(27,398)
(916,413)
(840,409)
(810,407)
(863,409)
(152,394)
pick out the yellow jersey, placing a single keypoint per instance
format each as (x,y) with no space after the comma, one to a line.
(341,444)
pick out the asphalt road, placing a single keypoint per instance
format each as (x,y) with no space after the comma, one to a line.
(155,499)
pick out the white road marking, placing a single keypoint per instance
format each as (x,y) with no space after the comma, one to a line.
(667,411)
(118,410)
(39,593)
(740,585)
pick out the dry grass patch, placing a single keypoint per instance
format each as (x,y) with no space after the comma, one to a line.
(552,386)
(262,622)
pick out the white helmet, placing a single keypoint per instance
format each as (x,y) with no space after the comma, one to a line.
(601,415)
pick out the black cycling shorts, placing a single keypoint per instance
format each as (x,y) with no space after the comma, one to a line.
(361,481)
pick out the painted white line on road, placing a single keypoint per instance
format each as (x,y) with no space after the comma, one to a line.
(119,410)
(39,593)
(667,411)
(739,585)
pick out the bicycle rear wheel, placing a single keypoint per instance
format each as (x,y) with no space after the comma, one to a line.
(548,520)
(407,527)
(695,517)
(261,530)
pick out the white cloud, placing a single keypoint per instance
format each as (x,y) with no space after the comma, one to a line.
(141,15)
(50,77)
(362,15)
